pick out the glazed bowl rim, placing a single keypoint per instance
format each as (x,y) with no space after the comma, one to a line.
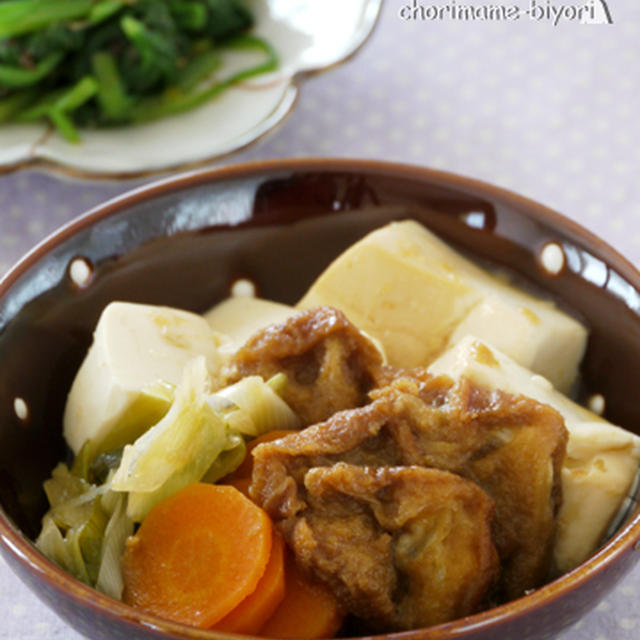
(15,543)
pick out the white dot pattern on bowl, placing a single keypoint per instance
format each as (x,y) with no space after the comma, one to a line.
(80,272)
(243,288)
(21,409)
(552,258)
(597,403)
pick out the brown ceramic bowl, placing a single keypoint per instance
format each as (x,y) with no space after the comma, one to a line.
(183,242)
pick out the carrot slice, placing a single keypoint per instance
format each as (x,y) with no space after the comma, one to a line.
(197,555)
(252,613)
(309,609)
(246,467)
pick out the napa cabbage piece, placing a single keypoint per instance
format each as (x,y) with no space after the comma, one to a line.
(181,446)
(179,449)
(200,437)
(253,406)
(109,579)
(85,529)
(228,460)
(95,469)
(69,497)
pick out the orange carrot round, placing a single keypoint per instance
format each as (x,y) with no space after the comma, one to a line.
(308,610)
(252,613)
(197,555)
(246,467)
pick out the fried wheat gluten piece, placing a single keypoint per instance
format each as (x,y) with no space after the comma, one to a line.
(330,364)
(402,547)
(511,446)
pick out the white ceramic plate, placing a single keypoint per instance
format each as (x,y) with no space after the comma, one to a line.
(309,35)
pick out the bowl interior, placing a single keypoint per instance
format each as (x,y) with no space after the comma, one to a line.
(185,242)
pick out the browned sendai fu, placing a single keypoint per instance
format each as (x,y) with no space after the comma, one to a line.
(429,502)
(330,365)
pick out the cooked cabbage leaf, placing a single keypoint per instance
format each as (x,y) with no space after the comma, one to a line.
(252,406)
(118,529)
(199,437)
(84,531)
(190,435)
(176,451)
(228,460)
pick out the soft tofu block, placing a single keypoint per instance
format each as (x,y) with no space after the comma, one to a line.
(123,385)
(533,332)
(416,295)
(602,459)
(402,286)
(240,317)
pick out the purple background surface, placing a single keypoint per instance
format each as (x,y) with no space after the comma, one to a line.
(550,112)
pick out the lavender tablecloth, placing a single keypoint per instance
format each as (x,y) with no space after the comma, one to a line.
(549,111)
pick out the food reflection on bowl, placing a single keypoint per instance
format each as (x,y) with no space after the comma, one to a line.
(254,222)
